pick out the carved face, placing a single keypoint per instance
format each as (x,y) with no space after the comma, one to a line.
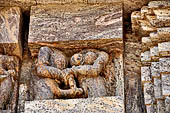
(59,60)
(76,59)
(89,58)
(80,59)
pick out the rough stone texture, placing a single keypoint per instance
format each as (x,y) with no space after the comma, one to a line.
(164,65)
(145,74)
(145,56)
(23,96)
(157,88)
(129,5)
(133,90)
(149,93)
(164,48)
(154,53)
(157,4)
(9,84)
(83,26)
(155,69)
(166,84)
(160,106)
(90,105)
(10,31)
(151,108)
(24,4)
(146,42)
(80,23)
(151,24)
(167,104)
(59,1)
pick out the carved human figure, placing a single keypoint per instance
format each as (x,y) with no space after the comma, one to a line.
(8,75)
(52,66)
(88,64)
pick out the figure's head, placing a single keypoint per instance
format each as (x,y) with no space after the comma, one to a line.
(80,59)
(76,59)
(59,60)
(89,58)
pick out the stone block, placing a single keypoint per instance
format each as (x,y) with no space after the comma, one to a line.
(154,53)
(151,108)
(164,65)
(89,105)
(10,31)
(146,43)
(164,48)
(24,4)
(154,37)
(158,4)
(149,93)
(167,104)
(166,84)
(42,2)
(9,76)
(164,32)
(145,56)
(23,96)
(157,88)
(160,106)
(76,26)
(145,74)
(155,69)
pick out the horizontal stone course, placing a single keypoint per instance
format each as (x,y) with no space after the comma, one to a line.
(89,105)
(76,26)
(53,23)
(145,56)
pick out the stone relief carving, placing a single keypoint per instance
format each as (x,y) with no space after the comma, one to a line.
(52,65)
(83,62)
(8,79)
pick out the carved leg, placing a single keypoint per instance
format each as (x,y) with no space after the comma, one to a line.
(69,93)
(85,90)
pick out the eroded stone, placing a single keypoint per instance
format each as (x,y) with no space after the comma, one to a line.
(149,93)
(84,23)
(90,105)
(164,65)
(151,108)
(145,74)
(157,88)
(145,56)
(10,31)
(166,84)
(164,48)
(160,106)
(155,69)
(167,104)
(154,53)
